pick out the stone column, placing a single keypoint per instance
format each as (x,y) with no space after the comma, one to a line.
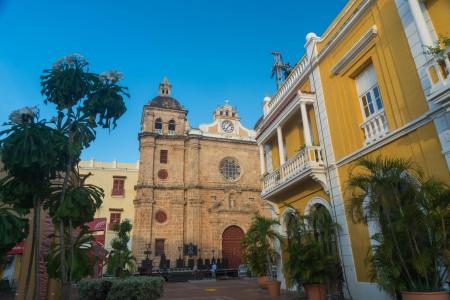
(261,159)
(306,129)
(421,24)
(280,145)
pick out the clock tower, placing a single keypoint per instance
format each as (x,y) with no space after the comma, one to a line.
(227,123)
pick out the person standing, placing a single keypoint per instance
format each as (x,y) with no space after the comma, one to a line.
(213,270)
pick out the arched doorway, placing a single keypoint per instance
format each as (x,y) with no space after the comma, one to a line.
(231,246)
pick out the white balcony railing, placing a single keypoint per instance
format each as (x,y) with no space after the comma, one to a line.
(305,159)
(375,127)
(158,131)
(171,132)
(290,81)
(438,70)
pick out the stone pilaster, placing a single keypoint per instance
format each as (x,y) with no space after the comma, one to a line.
(146,162)
(143,223)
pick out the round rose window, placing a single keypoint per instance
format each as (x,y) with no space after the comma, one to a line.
(161,217)
(162,174)
(230,169)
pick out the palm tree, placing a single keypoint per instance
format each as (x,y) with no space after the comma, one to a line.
(264,236)
(312,247)
(13,229)
(81,202)
(78,253)
(413,217)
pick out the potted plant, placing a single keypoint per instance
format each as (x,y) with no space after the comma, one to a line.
(313,260)
(260,239)
(410,253)
(255,259)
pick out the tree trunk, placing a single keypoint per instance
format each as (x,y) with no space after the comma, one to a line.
(71,256)
(399,253)
(37,248)
(269,263)
(30,263)
(66,286)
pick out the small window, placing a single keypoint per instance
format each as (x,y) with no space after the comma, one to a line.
(369,92)
(172,127)
(114,219)
(118,186)
(163,156)
(158,123)
(159,247)
(226,113)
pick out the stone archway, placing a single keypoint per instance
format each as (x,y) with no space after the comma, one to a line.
(231,246)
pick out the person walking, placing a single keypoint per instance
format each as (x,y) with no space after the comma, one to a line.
(213,270)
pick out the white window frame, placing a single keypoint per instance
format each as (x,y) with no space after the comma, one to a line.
(370,92)
(376,109)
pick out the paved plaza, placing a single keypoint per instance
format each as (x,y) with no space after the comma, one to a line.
(238,289)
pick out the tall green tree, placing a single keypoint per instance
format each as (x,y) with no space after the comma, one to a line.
(120,261)
(40,157)
(412,216)
(84,100)
(32,153)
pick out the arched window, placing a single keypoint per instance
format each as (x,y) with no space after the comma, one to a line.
(172,127)
(158,125)
(323,227)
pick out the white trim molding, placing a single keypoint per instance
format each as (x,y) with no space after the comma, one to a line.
(355,50)
(315,201)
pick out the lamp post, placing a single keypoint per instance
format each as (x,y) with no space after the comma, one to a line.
(148,251)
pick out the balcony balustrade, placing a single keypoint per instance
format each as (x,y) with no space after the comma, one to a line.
(438,69)
(305,160)
(375,127)
(171,132)
(158,131)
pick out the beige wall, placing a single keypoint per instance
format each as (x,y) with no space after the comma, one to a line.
(102,176)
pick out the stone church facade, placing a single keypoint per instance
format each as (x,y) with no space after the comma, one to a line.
(195,186)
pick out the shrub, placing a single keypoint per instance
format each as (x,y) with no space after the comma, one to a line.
(137,288)
(132,288)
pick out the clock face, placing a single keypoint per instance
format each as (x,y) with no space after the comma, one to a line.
(227,126)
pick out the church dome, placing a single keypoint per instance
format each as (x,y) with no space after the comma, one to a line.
(164,100)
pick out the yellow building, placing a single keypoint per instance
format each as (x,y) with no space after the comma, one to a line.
(117,179)
(366,87)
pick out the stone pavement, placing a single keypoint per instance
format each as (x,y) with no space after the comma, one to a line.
(237,289)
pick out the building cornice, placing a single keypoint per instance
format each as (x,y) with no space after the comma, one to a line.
(355,50)
(212,186)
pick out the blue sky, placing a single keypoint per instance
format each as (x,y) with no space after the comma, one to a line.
(211,50)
